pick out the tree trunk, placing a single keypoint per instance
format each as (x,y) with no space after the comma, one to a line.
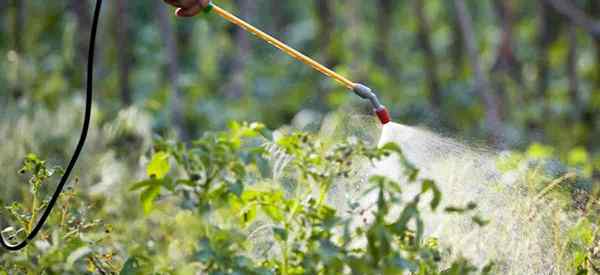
(482,85)
(82,16)
(506,64)
(353,15)
(242,41)
(456,46)
(175,104)
(577,16)
(123,51)
(572,71)
(591,116)
(280,16)
(326,25)
(506,61)
(18,46)
(325,30)
(544,40)
(83,21)
(384,35)
(594,9)
(431,63)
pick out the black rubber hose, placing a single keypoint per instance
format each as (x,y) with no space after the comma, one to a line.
(80,144)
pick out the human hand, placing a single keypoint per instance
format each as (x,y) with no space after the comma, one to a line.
(188,8)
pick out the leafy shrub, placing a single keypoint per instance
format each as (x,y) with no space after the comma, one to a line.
(230,181)
(72,242)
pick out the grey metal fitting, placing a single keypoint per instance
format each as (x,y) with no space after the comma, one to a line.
(366,93)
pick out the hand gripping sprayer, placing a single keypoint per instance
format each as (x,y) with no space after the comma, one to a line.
(188,8)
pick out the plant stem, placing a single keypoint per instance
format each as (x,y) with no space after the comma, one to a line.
(34,206)
(285,258)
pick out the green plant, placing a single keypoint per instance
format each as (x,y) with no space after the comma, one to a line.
(230,179)
(71,242)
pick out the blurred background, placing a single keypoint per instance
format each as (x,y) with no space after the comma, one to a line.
(505,73)
(501,74)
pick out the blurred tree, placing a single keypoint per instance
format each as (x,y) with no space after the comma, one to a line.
(235,87)
(572,71)
(431,63)
(577,16)
(325,29)
(493,124)
(457,41)
(546,35)
(506,60)
(591,115)
(594,9)
(280,16)
(506,64)
(18,32)
(172,67)
(326,24)
(385,13)
(124,53)
(354,18)
(81,10)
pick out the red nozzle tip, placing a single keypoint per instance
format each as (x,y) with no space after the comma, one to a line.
(383,115)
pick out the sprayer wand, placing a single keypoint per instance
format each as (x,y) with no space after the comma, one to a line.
(360,89)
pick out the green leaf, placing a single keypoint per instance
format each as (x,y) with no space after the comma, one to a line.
(488,268)
(143,184)
(480,221)
(437,195)
(539,151)
(237,188)
(134,266)
(582,232)
(148,196)
(456,209)
(578,156)
(393,147)
(274,213)
(159,165)
(509,161)
(280,233)
(248,216)
(579,258)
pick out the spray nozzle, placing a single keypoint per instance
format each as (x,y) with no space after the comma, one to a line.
(366,93)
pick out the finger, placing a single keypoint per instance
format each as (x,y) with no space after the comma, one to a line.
(189,12)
